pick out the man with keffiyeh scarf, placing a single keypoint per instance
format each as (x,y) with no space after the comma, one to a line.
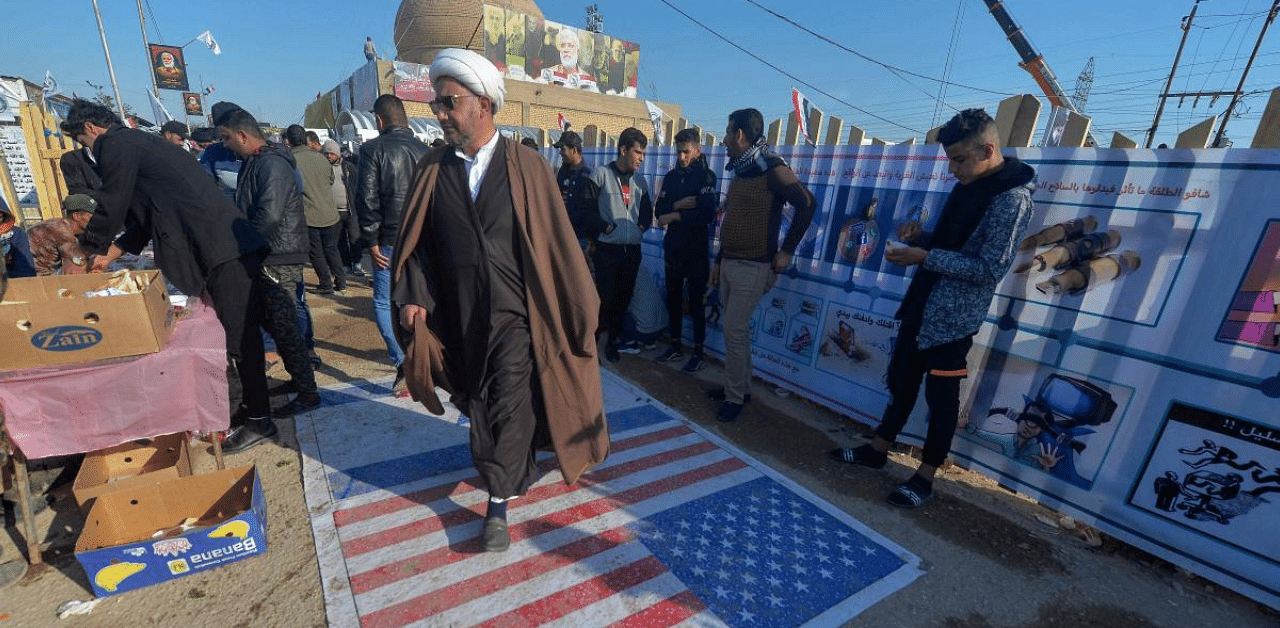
(750,256)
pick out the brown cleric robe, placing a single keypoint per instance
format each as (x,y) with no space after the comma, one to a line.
(510,331)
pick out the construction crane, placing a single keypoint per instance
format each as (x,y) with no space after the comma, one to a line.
(1033,62)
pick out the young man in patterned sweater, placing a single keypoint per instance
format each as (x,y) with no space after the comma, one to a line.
(961,262)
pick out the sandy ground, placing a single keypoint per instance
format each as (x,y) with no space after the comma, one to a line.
(993,558)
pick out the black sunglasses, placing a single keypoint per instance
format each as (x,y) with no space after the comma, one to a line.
(447,103)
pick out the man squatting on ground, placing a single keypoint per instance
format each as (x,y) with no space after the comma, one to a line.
(488,278)
(750,257)
(615,208)
(961,261)
(686,207)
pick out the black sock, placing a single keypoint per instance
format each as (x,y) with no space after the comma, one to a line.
(496,509)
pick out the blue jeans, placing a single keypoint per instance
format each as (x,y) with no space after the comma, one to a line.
(382,309)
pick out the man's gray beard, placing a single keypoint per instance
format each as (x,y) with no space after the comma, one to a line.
(456,138)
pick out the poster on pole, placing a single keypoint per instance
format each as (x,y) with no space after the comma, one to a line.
(168,67)
(191,104)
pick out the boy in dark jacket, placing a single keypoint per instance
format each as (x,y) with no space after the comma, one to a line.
(960,263)
(686,207)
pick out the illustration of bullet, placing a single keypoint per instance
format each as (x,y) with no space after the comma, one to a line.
(1076,251)
(1098,271)
(1073,228)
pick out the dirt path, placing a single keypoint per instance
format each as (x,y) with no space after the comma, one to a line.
(992,562)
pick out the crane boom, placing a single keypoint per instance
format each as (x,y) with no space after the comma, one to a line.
(1032,61)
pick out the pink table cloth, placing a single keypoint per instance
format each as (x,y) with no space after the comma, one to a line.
(69,409)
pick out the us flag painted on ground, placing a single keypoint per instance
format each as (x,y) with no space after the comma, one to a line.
(676,528)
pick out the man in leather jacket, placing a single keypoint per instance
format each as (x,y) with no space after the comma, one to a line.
(387,164)
(269,194)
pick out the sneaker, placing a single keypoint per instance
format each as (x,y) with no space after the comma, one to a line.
(355,271)
(253,432)
(630,348)
(674,354)
(865,455)
(695,364)
(718,395)
(303,402)
(650,346)
(729,412)
(399,388)
(912,493)
(323,291)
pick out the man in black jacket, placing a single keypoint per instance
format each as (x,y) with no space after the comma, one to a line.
(687,207)
(153,191)
(268,193)
(387,163)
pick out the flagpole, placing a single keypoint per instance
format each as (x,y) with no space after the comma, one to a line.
(111,69)
(146,50)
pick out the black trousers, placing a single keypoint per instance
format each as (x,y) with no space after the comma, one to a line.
(231,287)
(325,258)
(504,416)
(689,270)
(616,268)
(941,367)
(349,238)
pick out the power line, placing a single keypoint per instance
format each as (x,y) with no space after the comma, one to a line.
(793,77)
(892,68)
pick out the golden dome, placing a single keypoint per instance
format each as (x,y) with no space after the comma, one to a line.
(425,27)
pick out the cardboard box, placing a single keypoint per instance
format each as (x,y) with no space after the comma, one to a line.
(46,321)
(133,537)
(131,464)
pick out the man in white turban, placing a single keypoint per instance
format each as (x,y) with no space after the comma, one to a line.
(494,298)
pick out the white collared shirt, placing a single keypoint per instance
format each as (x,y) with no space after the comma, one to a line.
(476,166)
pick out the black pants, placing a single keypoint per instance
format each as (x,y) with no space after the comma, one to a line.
(349,238)
(325,258)
(941,367)
(504,417)
(280,319)
(231,287)
(616,268)
(691,269)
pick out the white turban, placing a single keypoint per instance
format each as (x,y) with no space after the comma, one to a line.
(473,71)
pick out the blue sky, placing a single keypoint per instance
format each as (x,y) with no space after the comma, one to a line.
(278,54)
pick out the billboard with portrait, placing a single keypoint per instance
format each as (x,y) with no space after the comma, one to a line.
(168,67)
(530,48)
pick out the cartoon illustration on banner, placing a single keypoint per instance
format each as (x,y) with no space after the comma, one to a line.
(168,67)
(1216,474)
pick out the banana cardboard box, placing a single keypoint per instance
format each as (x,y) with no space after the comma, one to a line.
(142,535)
(65,319)
(131,464)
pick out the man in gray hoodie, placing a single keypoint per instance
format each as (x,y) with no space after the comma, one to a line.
(615,207)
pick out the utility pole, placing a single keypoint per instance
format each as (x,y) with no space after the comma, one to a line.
(1186,29)
(111,69)
(146,50)
(1226,117)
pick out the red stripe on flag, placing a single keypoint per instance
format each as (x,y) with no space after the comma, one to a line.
(576,597)
(427,561)
(668,612)
(409,500)
(391,536)
(440,600)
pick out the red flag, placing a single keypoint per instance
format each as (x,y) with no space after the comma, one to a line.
(802,109)
(564,122)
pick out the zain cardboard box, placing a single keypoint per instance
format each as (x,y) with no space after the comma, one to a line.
(47,321)
(139,536)
(132,464)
